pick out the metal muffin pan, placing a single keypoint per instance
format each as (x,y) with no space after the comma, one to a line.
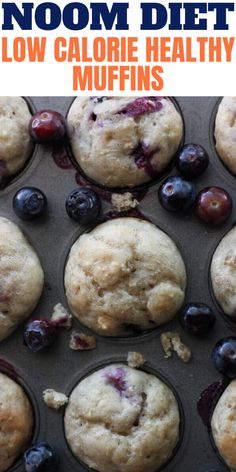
(52,236)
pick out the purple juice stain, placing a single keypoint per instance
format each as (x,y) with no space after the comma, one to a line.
(116,378)
(134,213)
(4,175)
(61,157)
(207,400)
(8,369)
(142,105)
(142,158)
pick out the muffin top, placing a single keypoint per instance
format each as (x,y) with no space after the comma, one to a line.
(119,419)
(126,272)
(124,141)
(16,420)
(223,425)
(15,142)
(225,132)
(21,277)
(223,273)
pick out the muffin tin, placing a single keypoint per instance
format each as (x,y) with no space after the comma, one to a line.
(52,236)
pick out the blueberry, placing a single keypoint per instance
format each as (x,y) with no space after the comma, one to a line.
(142,105)
(192,160)
(197,318)
(39,334)
(29,203)
(224,356)
(176,194)
(47,127)
(83,205)
(40,458)
(213,205)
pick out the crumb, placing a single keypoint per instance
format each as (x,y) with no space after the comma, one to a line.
(135,359)
(60,316)
(171,342)
(54,399)
(123,201)
(82,342)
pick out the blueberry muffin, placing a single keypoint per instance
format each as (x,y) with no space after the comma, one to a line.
(122,420)
(223,425)
(124,141)
(15,142)
(225,132)
(223,273)
(21,277)
(16,420)
(126,272)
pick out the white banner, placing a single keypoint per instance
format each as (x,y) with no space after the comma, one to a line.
(79,48)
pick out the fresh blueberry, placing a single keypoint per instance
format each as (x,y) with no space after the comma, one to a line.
(29,203)
(176,194)
(192,161)
(197,318)
(83,205)
(39,334)
(47,126)
(40,458)
(224,356)
(213,205)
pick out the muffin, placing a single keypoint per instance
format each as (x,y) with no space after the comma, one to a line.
(124,141)
(225,132)
(15,142)
(21,277)
(124,273)
(223,273)
(223,425)
(16,420)
(119,419)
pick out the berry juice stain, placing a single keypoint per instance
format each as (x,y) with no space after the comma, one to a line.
(134,213)
(208,399)
(7,369)
(61,157)
(4,175)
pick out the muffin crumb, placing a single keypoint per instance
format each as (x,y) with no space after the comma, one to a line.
(60,317)
(135,359)
(54,399)
(123,201)
(171,342)
(82,342)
